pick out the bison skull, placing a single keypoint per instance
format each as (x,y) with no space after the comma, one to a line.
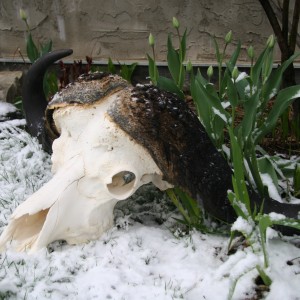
(95,164)
(109,139)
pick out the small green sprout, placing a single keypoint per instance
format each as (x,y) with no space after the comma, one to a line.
(151,40)
(23,14)
(235,73)
(250,52)
(271,41)
(189,67)
(175,23)
(210,72)
(228,37)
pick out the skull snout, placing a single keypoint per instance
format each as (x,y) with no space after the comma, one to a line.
(93,170)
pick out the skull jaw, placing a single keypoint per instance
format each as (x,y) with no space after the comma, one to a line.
(60,211)
(33,232)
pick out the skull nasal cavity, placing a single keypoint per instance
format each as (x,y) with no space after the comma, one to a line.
(122,184)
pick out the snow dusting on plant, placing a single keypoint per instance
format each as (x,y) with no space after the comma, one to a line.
(241,76)
(218,113)
(267,181)
(242,225)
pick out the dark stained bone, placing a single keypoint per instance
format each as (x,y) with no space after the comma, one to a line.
(181,148)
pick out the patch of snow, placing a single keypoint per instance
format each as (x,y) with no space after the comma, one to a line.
(273,93)
(297,95)
(285,278)
(241,76)
(14,123)
(24,167)
(218,113)
(6,108)
(276,217)
(242,225)
(248,90)
(225,104)
(268,182)
(271,234)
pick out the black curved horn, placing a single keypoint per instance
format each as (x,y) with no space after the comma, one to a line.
(34,100)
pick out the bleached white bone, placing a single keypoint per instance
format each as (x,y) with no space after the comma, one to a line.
(95,164)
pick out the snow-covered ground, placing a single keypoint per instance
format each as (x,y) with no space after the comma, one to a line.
(142,257)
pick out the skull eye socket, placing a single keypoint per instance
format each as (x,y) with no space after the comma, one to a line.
(122,184)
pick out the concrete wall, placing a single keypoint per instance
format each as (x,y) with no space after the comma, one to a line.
(119,28)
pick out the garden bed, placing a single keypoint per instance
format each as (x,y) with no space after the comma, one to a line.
(144,256)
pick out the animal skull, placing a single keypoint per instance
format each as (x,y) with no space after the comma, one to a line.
(95,164)
(109,139)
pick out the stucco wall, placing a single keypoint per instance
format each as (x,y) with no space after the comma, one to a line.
(119,28)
